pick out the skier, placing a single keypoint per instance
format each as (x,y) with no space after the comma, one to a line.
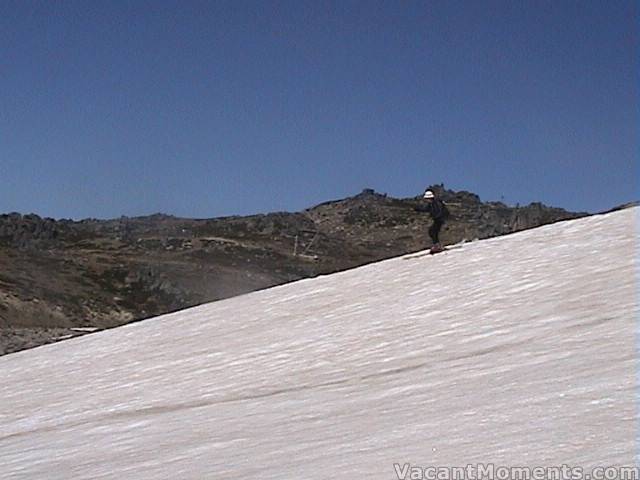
(439,214)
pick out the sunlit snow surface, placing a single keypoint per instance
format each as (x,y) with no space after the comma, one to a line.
(518,351)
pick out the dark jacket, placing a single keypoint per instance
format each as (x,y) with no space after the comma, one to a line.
(436,208)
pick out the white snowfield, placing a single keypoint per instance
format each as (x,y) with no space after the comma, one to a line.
(515,351)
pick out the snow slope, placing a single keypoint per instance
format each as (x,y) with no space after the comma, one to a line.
(518,350)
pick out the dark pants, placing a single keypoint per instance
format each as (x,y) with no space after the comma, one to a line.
(434,230)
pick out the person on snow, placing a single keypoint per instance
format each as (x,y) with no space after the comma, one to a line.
(439,213)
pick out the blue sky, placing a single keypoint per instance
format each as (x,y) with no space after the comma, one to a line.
(202,109)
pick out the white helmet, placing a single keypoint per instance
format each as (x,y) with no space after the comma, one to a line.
(429,194)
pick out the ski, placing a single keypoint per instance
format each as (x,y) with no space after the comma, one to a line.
(428,253)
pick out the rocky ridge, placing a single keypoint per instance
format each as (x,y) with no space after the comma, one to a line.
(58,276)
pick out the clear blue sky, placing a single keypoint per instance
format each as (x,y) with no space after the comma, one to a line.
(213,108)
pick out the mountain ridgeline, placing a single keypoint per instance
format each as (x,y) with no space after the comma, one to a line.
(61,277)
